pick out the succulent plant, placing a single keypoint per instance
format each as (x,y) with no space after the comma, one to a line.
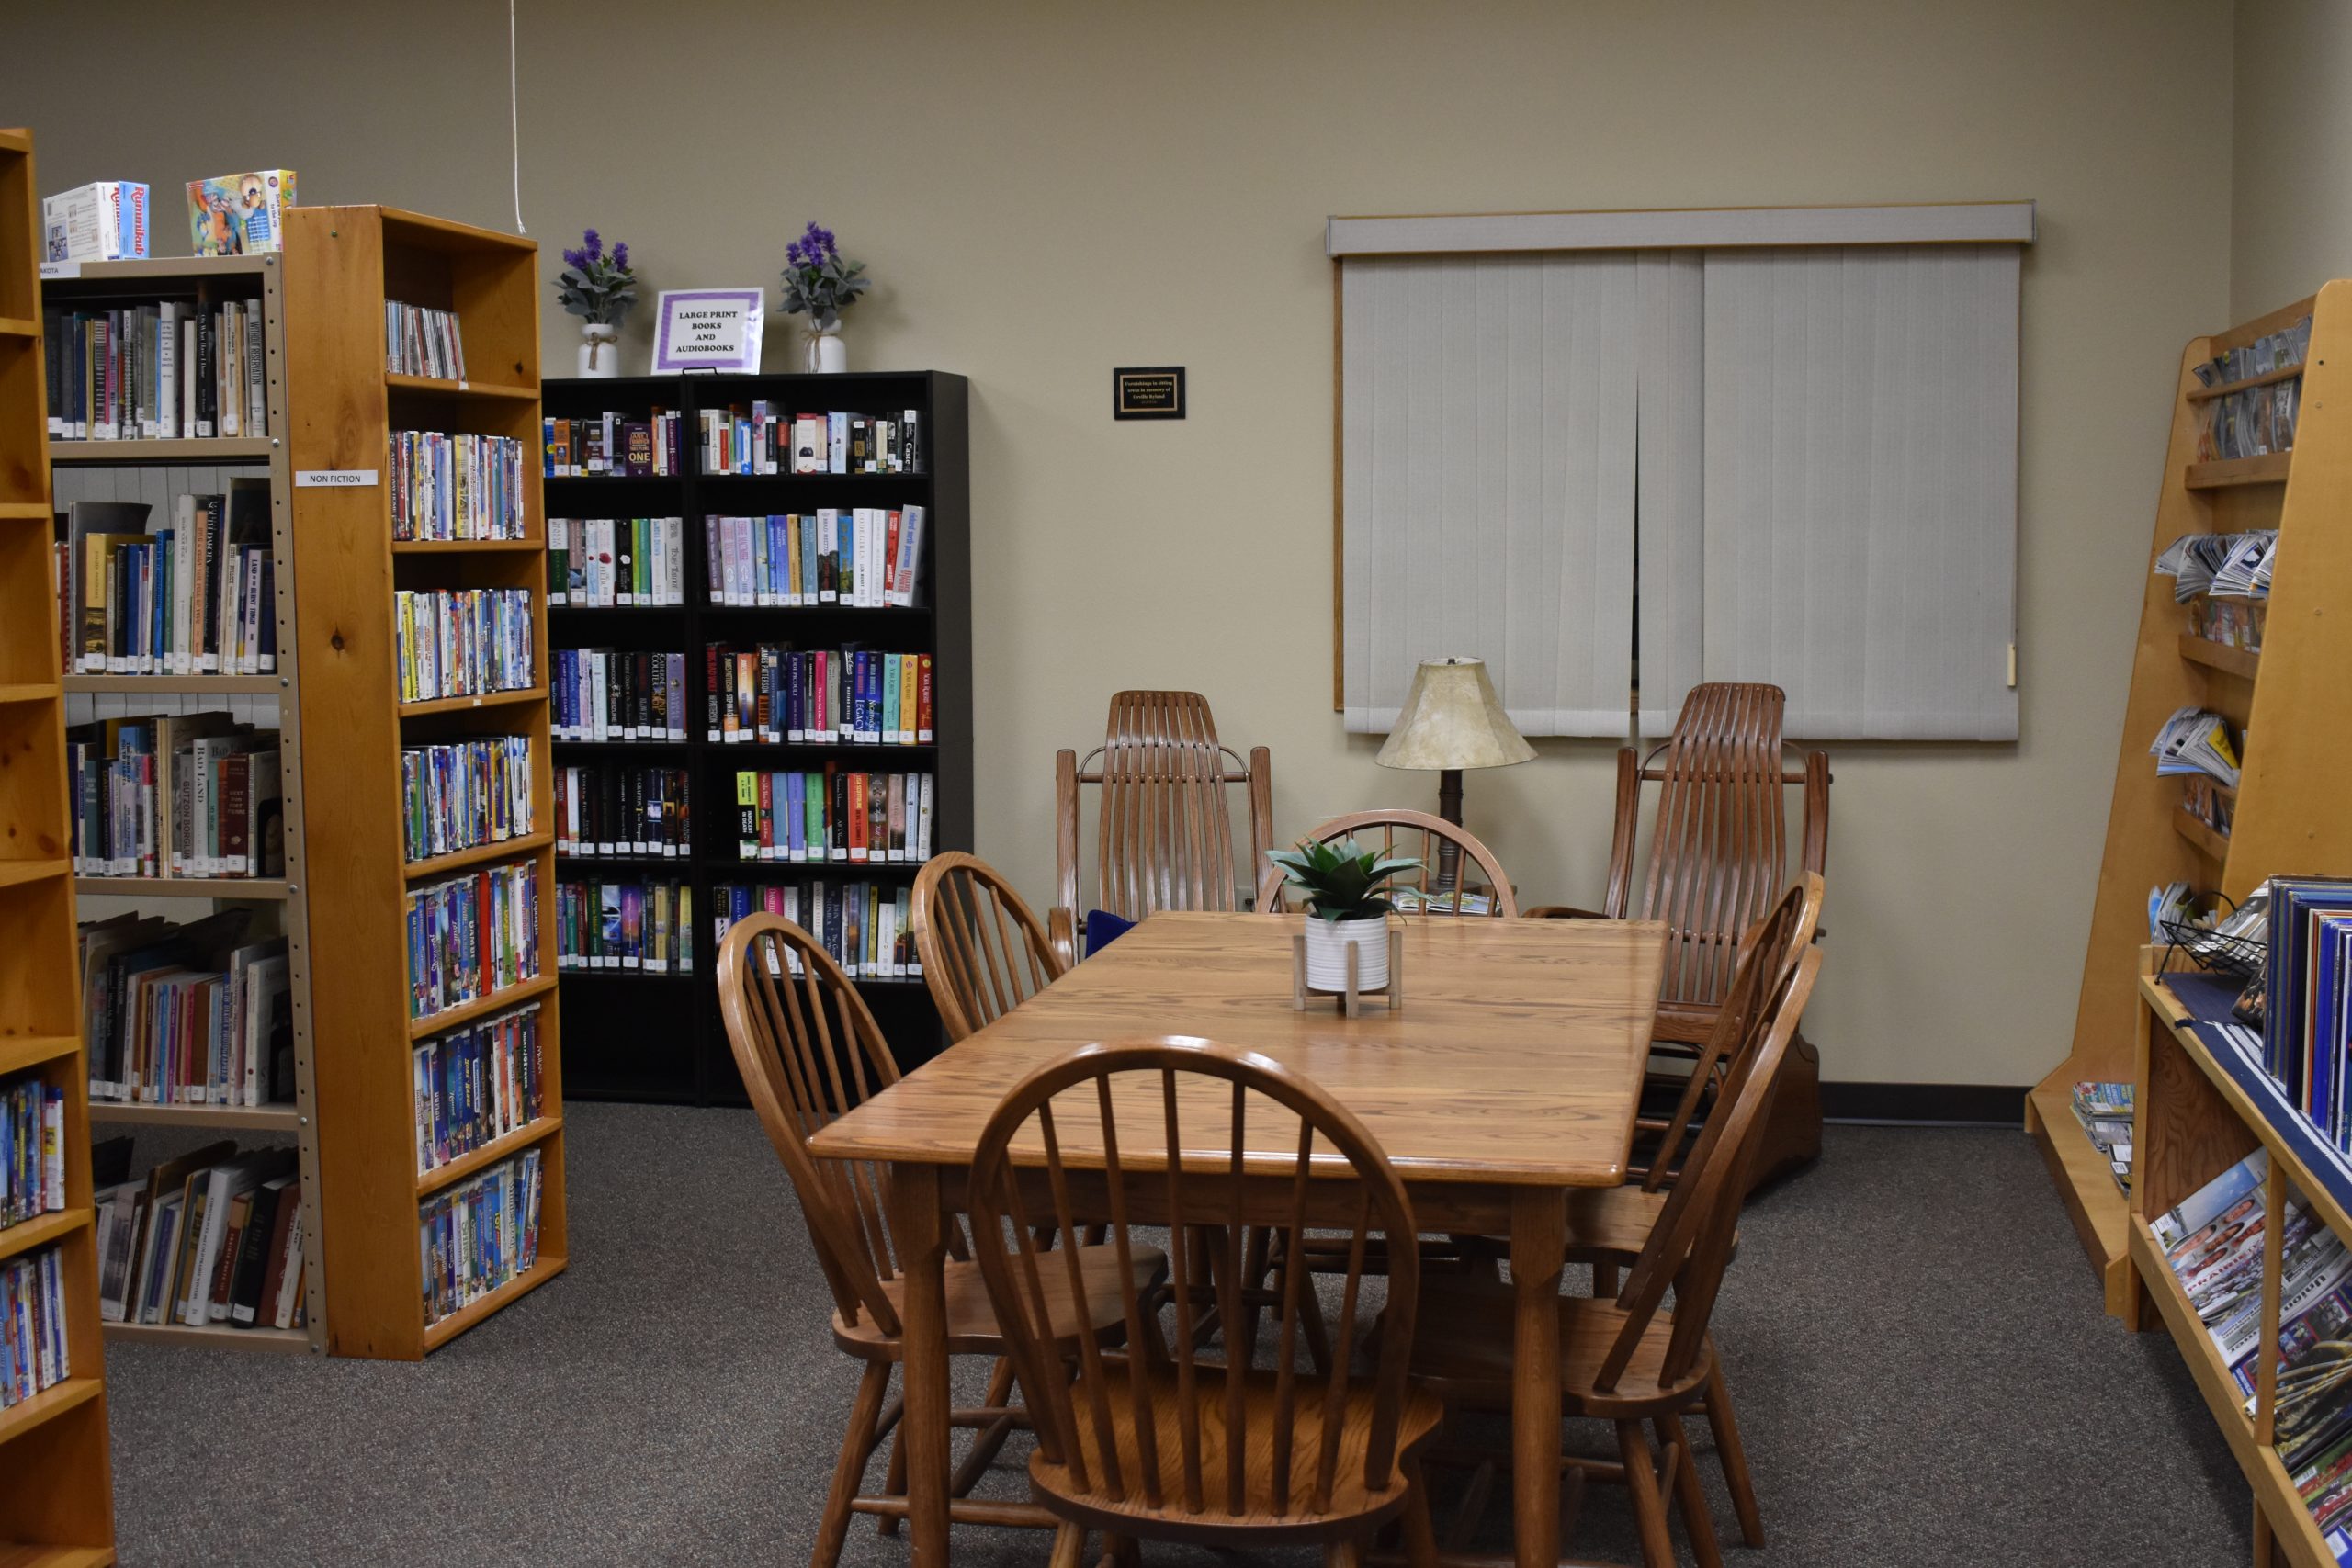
(1341,880)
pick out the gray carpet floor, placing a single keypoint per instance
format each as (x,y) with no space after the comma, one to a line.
(1923,1374)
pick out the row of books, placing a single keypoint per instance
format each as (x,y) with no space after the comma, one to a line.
(834,815)
(471,936)
(2253,419)
(615,808)
(864,925)
(2104,1111)
(763,439)
(32,1149)
(2232,622)
(33,1354)
(195,597)
(422,341)
(2224,566)
(462,793)
(458,642)
(602,562)
(175,795)
(2307,1000)
(479,1234)
(772,694)
(476,1085)
(169,371)
(646,925)
(614,445)
(860,556)
(449,487)
(605,693)
(214,1236)
(195,1014)
(2196,741)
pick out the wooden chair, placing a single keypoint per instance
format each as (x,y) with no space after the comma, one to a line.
(808,1052)
(1161,1444)
(1417,834)
(1627,1360)
(983,952)
(1163,822)
(1718,858)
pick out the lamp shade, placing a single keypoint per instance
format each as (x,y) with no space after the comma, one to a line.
(1452,718)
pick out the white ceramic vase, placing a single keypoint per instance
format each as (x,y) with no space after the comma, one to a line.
(1327,953)
(600,351)
(827,355)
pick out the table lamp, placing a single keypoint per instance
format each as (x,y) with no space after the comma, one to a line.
(1451,721)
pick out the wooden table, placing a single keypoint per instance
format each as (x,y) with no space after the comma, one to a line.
(1511,1073)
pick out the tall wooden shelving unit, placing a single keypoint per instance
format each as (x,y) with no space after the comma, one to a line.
(153,471)
(56,1480)
(2289,808)
(341,265)
(658,1037)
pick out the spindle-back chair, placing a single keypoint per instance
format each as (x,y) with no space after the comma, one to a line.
(809,1051)
(983,952)
(1417,835)
(1160,1442)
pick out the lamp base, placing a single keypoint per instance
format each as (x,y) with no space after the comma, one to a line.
(1449,808)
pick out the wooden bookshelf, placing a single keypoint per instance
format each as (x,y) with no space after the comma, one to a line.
(156,472)
(56,1479)
(341,265)
(2196,1114)
(2289,815)
(623,1040)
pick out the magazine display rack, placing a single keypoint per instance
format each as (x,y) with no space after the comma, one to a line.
(2288,815)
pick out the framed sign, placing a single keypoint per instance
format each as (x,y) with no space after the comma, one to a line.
(710,328)
(1148,391)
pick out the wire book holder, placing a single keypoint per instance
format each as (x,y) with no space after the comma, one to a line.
(1351,997)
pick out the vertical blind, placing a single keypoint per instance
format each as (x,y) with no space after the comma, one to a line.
(1486,481)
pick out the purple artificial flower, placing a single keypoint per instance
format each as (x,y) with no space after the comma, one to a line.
(620,256)
(593,245)
(577,259)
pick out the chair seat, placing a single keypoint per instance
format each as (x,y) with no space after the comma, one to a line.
(971,1320)
(1351,1504)
(1610,1223)
(1462,1352)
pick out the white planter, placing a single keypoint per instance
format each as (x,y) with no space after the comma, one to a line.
(599,353)
(827,355)
(1327,953)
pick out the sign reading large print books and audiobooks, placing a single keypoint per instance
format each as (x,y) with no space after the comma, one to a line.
(709,329)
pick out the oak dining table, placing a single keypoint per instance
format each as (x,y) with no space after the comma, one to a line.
(1511,1073)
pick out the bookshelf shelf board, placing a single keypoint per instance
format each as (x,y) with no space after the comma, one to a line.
(2099,1209)
(465,546)
(2220,656)
(2270,468)
(19,1051)
(457,860)
(439,1334)
(15,873)
(193,452)
(2214,844)
(815,748)
(895,612)
(17,1554)
(2207,394)
(528,696)
(629,976)
(40,1231)
(2205,1363)
(612,478)
(24,1416)
(252,1118)
(489,1154)
(213,1336)
(487,390)
(424,232)
(26,511)
(27,690)
(16,326)
(826,868)
(188,685)
(466,1012)
(224,887)
(569,858)
(623,745)
(168,269)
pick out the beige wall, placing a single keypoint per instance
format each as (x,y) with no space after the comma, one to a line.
(1046,190)
(2291,175)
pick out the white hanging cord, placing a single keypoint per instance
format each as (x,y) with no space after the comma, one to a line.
(515,117)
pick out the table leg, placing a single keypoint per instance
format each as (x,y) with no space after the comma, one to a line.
(921,1239)
(1538,1243)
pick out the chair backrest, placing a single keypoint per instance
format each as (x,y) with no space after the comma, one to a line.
(1767,953)
(1718,853)
(1418,835)
(1164,827)
(1268,1462)
(983,953)
(810,1051)
(1690,1241)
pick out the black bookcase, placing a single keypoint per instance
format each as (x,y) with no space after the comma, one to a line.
(636,1036)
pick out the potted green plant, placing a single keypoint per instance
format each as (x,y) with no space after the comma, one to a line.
(1345,889)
